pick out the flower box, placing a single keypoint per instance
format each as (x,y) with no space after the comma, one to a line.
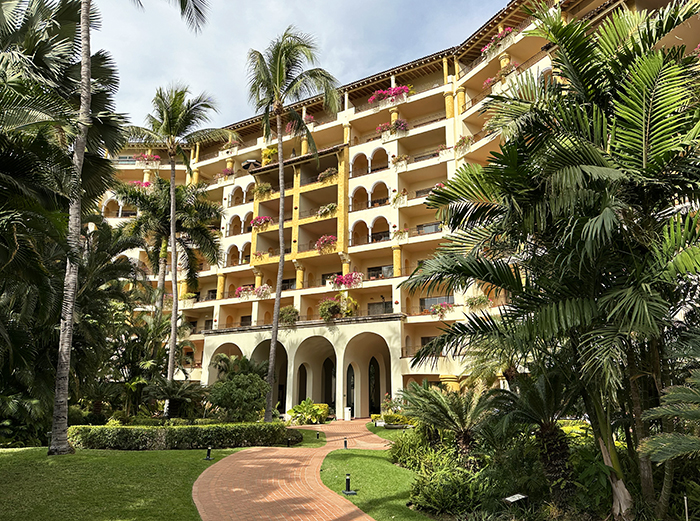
(229,152)
(446,155)
(187,303)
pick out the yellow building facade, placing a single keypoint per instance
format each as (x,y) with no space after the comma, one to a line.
(364,198)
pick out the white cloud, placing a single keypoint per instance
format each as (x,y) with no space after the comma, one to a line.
(154,47)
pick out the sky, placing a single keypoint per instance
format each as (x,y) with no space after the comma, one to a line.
(153,47)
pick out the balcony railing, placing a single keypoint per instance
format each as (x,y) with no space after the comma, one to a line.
(370,239)
(359,172)
(425,229)
(314,212)
(374,203)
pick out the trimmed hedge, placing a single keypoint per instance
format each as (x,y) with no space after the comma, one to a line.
(181,437)
(398,419)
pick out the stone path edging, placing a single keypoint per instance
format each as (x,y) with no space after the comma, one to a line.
(273,483)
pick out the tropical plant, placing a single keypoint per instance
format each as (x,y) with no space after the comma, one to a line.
(194,212)
(308,413)
(175,125)
(262,189)
(329,309)
(229,365)
(277,77)
(567,194)
(289,315)
(241,396)
(185,397)
(327,174)
(326,210)
(459,413)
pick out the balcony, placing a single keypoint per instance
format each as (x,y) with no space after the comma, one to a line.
(371,239)
(425,229)
(374,203)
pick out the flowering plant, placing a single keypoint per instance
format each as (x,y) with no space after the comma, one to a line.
(463,141)
(243,292)
(327,173)
(438,186)
(225,172)
(400,125)
(257,255)
(260,221)
(140,184)
(146,157)
(262,189)
(505,71)
(351,280)
(326,241)
(329,308)
(496,39)
(309,118)
(401,158)
(326,209)
(478,302)
(383,127)
(391,94)
(441,309)
(400,234)
(263,291)
(442,148)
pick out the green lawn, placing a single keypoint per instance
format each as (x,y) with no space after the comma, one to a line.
(106,485)
(387,434)
(382,487)
(310,439)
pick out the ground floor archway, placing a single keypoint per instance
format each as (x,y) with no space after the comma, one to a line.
(279,388)
(367,368)
(314,370)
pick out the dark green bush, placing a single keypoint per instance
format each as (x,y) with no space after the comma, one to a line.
(181,437)
(409,449)
(398,419)
(206,421)
(447,488)
(174,422)
(242,396)
(144,421)
(76,416)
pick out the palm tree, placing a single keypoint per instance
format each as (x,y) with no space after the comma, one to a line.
(542,402)
(277,77)
(580,223)
(152,225)
(228,366)
(460,413)
(194,13)
(174,125)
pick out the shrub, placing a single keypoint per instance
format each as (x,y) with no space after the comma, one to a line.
(262,189)
(181,437)
(447,488)
(206,421)
(409,449)
(375,417)
(398,419)
(121,417)
(242,396)
(289,315)
(76,416)
(329,308)
(308,412)
(144,421)
(174,422)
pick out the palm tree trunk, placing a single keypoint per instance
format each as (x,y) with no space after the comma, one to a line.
(646,475)
(162,268)
(173,270)
(59,430)
(280,275)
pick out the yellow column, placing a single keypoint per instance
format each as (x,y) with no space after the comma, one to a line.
(346,132)
(229,164)
(396,251)
(394,111)
(445,71)
(300,275)
(343,191)
(258,277)
(504,60)
(460,99)
(146,176)
(195,176)
(196,153)
(451,382)
(188,179)
(220,285)
(304,145)
(182,289)
(456,68)
(346,266)
(449,105)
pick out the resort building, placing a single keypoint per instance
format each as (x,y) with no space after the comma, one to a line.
(356,209)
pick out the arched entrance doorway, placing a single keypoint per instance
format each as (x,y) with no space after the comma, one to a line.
(229,349)
(314,363)
(279,388)
(368,361)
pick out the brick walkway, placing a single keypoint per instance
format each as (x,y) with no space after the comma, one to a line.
(279,482)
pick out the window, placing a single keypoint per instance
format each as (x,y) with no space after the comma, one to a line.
(211,294)
(380,236)
(247,320)
(379,308)
(209,324)
(289,284)
(424,340)
(423,192)
(193,323)
(425,303)
(380,272)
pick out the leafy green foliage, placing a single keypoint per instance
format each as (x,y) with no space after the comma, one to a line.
(181,437)
(289,315)
(242,396)
(308,412)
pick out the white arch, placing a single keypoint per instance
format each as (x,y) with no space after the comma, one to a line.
(352,162)
(228,252)
(354,225)
(377,150)
(352,195)
(380,217)
(376,183)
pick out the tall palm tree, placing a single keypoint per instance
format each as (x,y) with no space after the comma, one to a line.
(194,212)
(227,366)
(276,77)
(174,124)
(577,217)
(194,13)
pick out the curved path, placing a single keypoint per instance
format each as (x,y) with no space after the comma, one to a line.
(280,482)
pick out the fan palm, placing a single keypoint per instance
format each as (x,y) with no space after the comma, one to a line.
(194,213)
(459,413)
(277,77)
(227,366)
(579,223)
(174,125)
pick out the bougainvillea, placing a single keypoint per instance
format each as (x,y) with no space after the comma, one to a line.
(496,39)
(441,309)
(391,94)
(351,280)
(326,241)
(260,222)
(146,157)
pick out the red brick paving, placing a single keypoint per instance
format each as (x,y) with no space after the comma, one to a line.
(281,483)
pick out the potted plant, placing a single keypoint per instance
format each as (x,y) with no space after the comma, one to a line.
(477,303)
(188,300)
(289,315)
(147,160)
(349,281)
(269,155)
(399,161)
(400,234)
(258,255)
(261,222)
(230,148)
(329,309)
(243,292)
(261,190)
(445,153)
(441,309)
(399,126)
(463,144)
(327,174)
(325,243)
(326,210)
(496,40)
(223,175)
(262,292)
(391,95)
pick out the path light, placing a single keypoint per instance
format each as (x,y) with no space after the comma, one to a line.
(347,490)
(318,435)
(289,442)
(345,445)
(208,454)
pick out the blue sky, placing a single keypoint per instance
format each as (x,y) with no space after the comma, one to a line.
(153,47)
